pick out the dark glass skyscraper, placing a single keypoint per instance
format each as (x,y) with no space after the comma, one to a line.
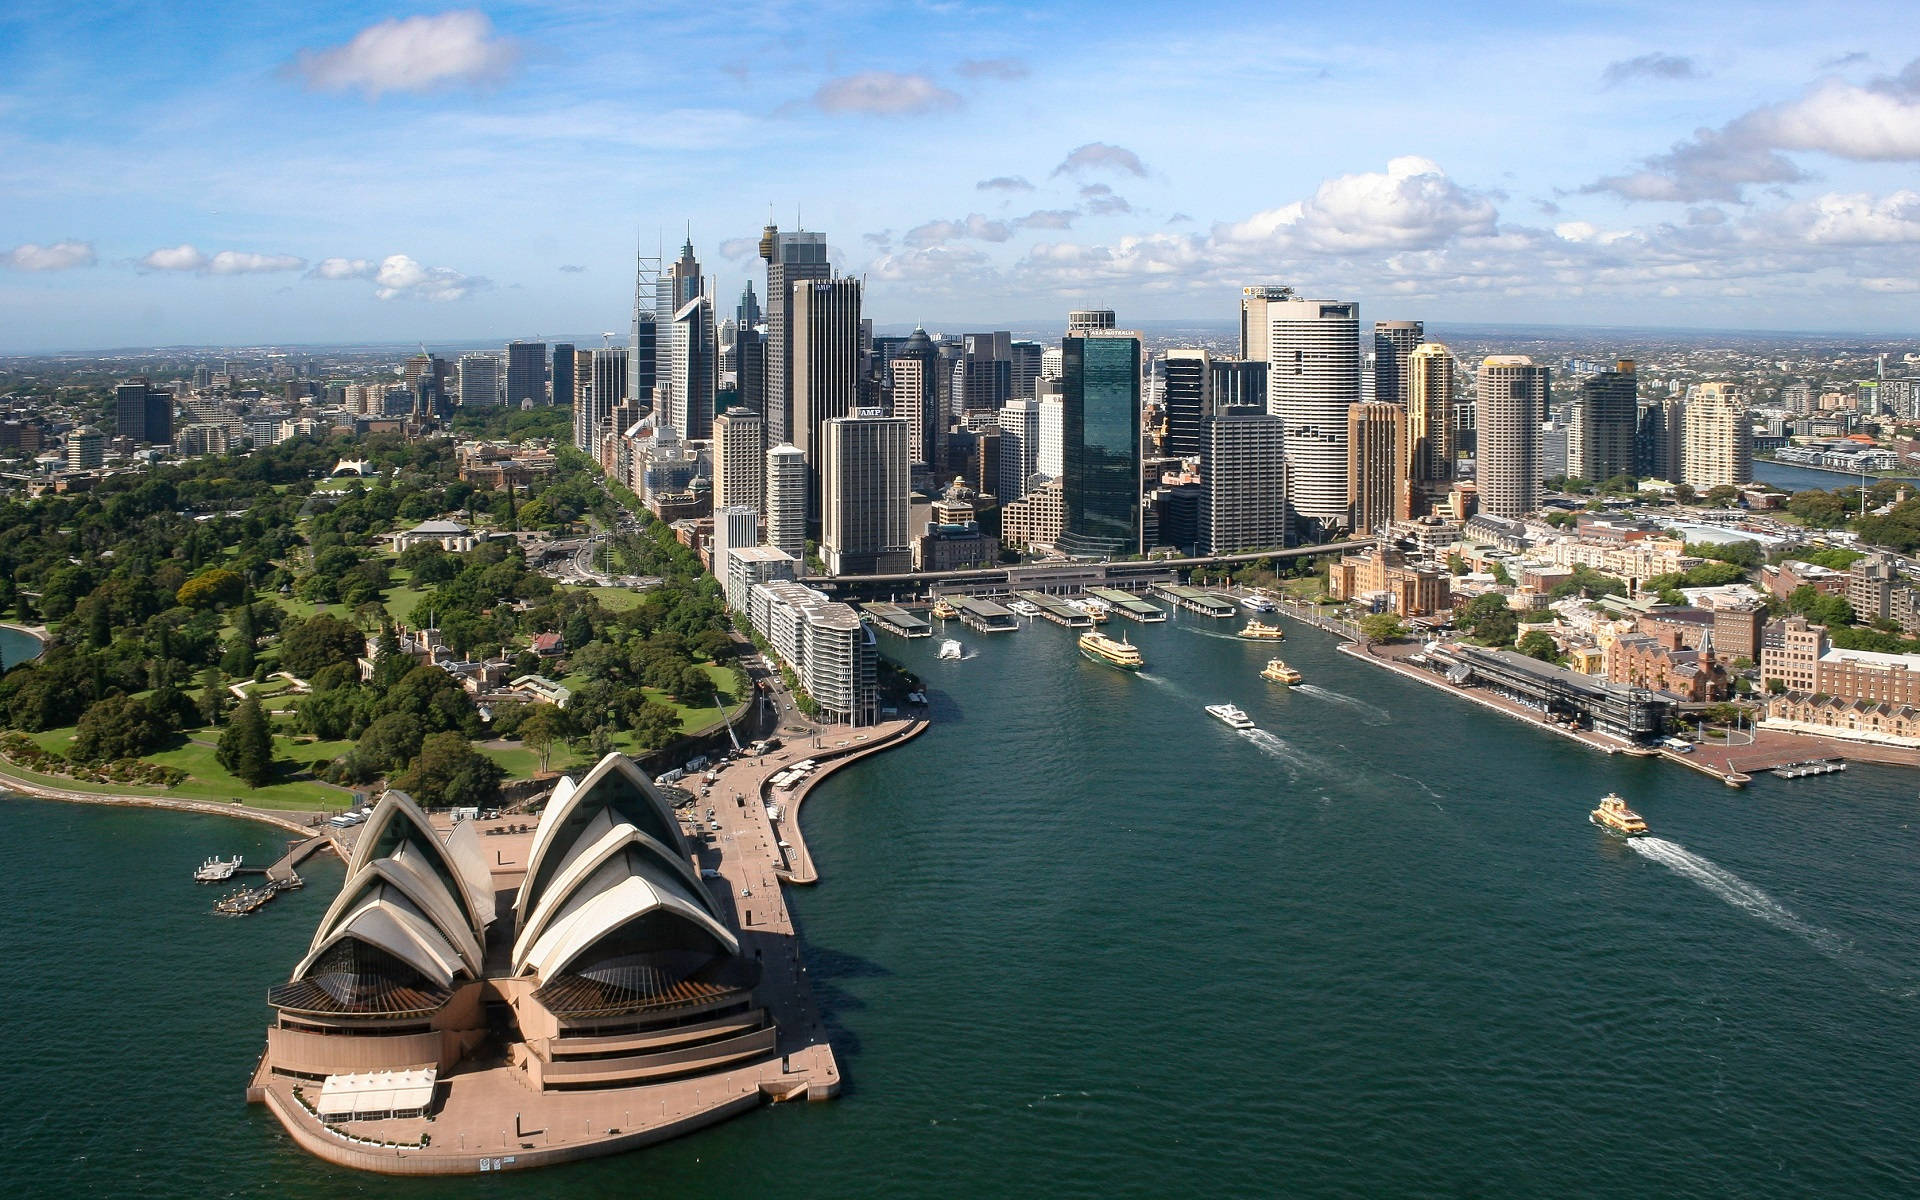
(526,373)
(1605,420)
(1100,418)
(563,373)
(1189,401)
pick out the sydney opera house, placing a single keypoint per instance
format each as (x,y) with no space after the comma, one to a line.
(577,976)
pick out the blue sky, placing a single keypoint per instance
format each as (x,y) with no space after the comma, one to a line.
(226,172)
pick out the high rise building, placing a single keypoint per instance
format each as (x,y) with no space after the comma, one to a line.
(606,388)
(1604,421)
(679,285)
(1050,460)
(1244,472)
(86,449)
(1026,369)
(1080,320)
(1430,442)
(865,470)
(561,391)
(1512,399)
(1658,450)
(735,527)
(916,397)
(643,337)
(787,502)
(526,380)
(1052,366)
(143,412)
(691,370)
(740,459)
(1101,435)
(1377,465)
(824,327)
(1393,341)
(1313,378)
(983,375)
(479,380)
(1239,383)
(1717,449)
(1256,340)
(1189,401)
(790,258)
(750,351)
(1019,447)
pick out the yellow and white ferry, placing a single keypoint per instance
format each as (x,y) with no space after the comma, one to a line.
(1279,672)
(1260,629)
(1101,648)
(1614,816)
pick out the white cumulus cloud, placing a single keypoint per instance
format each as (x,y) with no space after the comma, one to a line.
(1412,204)
(59,256)
(411,54)
(175,258)
(1100,156)
(973,225)
(401,277)
(241,262)
(343,268)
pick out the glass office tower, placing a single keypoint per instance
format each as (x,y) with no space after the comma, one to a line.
(1100,397)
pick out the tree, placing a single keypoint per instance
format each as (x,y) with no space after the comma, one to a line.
(654,725)
(1723,496)
(318,642)
(391,742)
(212,701)
(449,772)
(239,658)
(246,745)
(1684,493)
(1382,627)
(116,727)
(1538,643)
(542,726)
(215,586)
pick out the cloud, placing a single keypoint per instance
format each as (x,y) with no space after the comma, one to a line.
(973,225)
(343,268)
(1004,183)
(411,54)
(1413,204)
(1099,156)
(883,94)
(993,68)
(883,240)
(175,258)
(59,256)
(1650,66)
(572,269)
(400,277)
(1878,121)
(1047,218)
(1179,218)
(1852,58)
(241,262)
(1101,200)
(740,247)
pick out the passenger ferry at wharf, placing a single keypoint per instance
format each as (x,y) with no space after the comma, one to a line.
(943,610)
(1101,648)
(1614,816)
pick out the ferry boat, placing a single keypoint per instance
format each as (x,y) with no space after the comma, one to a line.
(1233,716)
(1101,648)
(1260,629)
(1097,608)
(944,611)
(1257,603)
(1614,816)
(1025,608)
(951,651)
(1278,671)
(217,870)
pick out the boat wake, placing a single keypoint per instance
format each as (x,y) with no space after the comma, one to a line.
(1372,714)
(1735,891)
(1277,748)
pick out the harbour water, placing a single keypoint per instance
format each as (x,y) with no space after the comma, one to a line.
(16,647)
(1796,478)
(1081,939)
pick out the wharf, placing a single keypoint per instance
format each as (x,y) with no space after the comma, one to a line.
(984,615)
(891,618)
(1128,605)
(1193,599)
(1053,609)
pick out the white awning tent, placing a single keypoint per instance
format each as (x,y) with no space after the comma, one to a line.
(377,1094)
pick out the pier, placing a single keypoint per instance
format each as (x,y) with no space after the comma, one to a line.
(1057,611)
(1128,605)
(1800,770)
(1193,599)
(891,618)
(984,616)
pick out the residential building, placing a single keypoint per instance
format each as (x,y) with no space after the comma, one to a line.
(1717,450)
(1879,590)
(86,449)
(824,644)
(1393,343)
(1659,443)
(735,527)
(1101,435)
(740,459)
(1605,423)
(1822,689)
(1034,521)
(1511,406)
(1431,444)
(786,505)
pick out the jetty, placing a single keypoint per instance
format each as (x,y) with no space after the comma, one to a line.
(1057,611)
(1814,766)
(984,615)
(891,618)
(1197,600)
(1128,605)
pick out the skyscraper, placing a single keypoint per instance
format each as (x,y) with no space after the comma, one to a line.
(750,351)
(865,470)
(1718,447)
(690,370)
(735,526)
(1430,434)
(1512,396)
(1393,341)
(1019,447)
(1080,320)
(740,459)
(643,337)
(1605,419)
(916,396)
(1658,452)
(130,409)
(1244,472)
(606,388)
(1101,435)
(1256,341)
(1313,378)
(791,258)
(1189,401)
(561,391)
(1026,368)
(1377,464)
(479,380)
(983,379)
(679,284)
(526,380)
(824,329)
(787,502)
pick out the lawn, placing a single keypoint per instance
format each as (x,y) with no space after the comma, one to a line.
(208,780)
(613,599)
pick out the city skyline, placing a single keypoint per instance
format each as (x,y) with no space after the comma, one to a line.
(464,172)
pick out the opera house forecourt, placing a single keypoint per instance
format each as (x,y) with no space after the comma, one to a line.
(480,997)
